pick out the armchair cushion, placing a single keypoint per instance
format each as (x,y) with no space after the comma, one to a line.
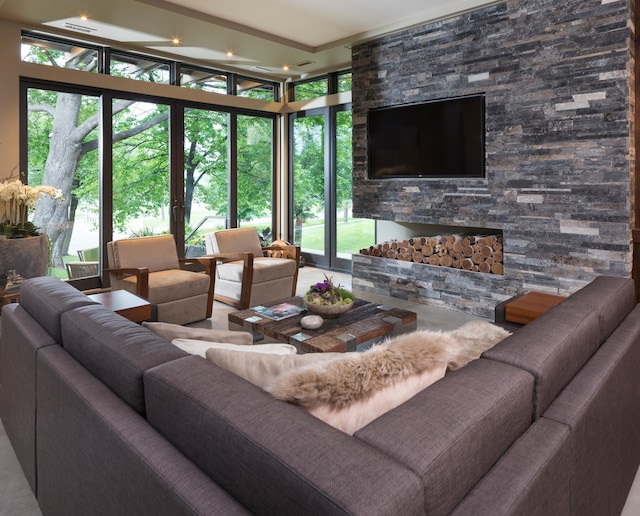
(234,241)
(165,286)
(156,253)
(264,269)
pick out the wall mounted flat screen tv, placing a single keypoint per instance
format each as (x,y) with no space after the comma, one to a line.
(436,139)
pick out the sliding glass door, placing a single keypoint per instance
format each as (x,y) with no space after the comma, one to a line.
(138,166)
(321,186)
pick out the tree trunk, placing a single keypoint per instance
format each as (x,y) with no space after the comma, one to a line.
(65,147)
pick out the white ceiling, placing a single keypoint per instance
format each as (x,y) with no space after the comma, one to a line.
(307,36)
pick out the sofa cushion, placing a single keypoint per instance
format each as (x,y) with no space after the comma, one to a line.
(532,477)
(452,433)
(264,269)
(46,298)
(272,457)
(171,285)
(115,350)
(601,407)
(612,298)
(176,331)
(553,348)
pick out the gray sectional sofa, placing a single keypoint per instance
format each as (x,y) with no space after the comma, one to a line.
(108,418)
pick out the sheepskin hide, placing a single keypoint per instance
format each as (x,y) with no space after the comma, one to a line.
(474,338)
(357,377)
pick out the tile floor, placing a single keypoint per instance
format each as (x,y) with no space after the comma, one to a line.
(16,498)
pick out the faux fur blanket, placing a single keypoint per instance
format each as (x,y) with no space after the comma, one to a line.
(358,376)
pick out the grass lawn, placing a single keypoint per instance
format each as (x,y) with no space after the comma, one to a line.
(352,236)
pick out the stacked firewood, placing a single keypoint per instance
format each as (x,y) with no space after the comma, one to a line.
(475,253)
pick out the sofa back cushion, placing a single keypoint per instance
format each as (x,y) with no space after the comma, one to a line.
(273,457)
(611,297)
(46,298)
(115,350)
(556,345)
(452,433)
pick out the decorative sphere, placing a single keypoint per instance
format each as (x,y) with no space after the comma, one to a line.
(311,322)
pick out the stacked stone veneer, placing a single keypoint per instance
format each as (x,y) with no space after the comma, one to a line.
(558,79)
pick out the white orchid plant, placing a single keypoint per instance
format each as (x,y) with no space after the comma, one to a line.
(17,199)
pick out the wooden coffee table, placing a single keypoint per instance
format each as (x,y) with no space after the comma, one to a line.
(364,324)
(125,303)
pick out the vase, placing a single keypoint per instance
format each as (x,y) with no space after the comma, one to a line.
(28,256)
(328,311)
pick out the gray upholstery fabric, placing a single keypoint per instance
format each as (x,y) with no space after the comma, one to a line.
(87,466)
(272,457)
(46,298)
(531,479)
(612,297)
(553,348)
(602,407)
(452,433)
(115,350)
(20,339)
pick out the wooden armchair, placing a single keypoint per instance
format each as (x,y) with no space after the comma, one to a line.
(150,268)
(248,274)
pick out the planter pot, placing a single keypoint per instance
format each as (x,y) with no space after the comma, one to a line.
(28,256)
(328,311)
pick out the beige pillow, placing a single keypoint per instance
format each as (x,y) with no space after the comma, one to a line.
(263,369)
(175,331)
(200,347)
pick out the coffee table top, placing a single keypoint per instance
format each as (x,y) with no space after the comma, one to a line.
(364,323)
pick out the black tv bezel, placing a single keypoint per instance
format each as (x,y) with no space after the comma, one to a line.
(440,176)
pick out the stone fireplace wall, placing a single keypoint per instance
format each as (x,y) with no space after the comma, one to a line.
(558,79)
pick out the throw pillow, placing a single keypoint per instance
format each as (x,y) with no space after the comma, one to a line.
(263,369)
(175,331)
(200,347)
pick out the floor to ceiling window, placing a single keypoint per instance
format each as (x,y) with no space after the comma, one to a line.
(62,145)
(141,201)
(133,164)
(149,192)
(321,172)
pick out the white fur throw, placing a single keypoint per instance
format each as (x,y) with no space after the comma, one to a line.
(350,392)
(357,377)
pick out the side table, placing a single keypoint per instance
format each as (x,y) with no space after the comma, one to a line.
(125,303)
(525,308)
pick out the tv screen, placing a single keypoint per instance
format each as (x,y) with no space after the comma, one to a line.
(437,139)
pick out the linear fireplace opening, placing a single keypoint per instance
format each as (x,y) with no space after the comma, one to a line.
(471,249)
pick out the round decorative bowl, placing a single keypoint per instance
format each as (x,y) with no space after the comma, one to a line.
(328,311)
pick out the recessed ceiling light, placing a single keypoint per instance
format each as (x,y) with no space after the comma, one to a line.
(84,17)
(175,41)
(285,67)
(229,53)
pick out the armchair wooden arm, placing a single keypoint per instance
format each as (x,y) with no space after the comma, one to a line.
(293,253)
(247,274)
(209,264)
(142,278)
